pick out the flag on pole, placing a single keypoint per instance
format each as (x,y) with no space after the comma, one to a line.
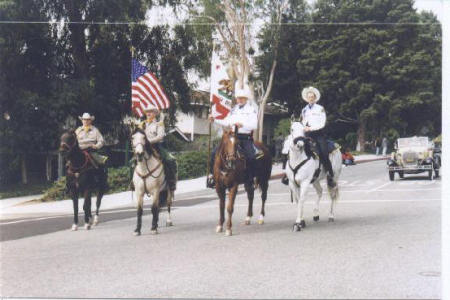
(145,89)
(221,89)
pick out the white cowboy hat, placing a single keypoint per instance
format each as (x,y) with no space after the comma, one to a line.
(242,93)
(86,116)
(151,107)
(307,90)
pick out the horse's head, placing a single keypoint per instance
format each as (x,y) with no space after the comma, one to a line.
(68,142)
(298,136)
(138,141)
(228,149)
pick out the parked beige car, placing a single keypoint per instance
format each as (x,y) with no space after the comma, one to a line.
(413,155)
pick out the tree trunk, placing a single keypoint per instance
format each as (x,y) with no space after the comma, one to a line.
(78,39)
(48,168)
(262,106)
(23,168)
(362,135)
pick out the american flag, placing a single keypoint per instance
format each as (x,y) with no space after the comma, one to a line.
(145,89)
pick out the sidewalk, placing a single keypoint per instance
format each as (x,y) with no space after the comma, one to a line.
(19,206)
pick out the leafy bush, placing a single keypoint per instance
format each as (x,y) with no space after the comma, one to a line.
(283,127)
(191,164)
(56,191)
(119,179)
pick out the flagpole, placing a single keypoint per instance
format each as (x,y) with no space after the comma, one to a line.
(208,162)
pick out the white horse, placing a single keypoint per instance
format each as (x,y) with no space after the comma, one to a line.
(149,178)
(300,171)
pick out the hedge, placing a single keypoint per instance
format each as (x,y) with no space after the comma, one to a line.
(190,165)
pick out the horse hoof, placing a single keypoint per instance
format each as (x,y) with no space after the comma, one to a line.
(330,219)
(296,227)
(87,226)
(316,218)
(95,220)
(303,224)
(154,231)
(219,228)
(228,232)
(261,220)
(247,221)
(136,233)
(169,223)
(74,227)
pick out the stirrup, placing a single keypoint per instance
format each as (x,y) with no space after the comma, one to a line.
(259,154)
(210,183)
(285,180)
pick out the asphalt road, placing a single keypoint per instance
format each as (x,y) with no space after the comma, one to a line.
(385,243)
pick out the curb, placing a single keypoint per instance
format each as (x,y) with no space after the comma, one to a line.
(280,175)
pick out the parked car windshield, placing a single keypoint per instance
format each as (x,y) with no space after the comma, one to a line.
(413,142)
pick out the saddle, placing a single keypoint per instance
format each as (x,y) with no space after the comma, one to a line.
(332,146)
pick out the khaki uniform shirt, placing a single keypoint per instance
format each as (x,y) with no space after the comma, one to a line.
(154,131)
(91,137)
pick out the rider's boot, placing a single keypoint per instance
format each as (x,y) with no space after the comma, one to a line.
(284,180)
(330,179)
(171,174)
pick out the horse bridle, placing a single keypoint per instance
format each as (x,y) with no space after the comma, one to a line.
(303,162)
(70,147)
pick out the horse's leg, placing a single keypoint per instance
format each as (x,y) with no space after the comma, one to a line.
(170,195)
(230,208)
(264,184)
(155,211)
(75,210)
(221,193)
(97,207)
(334,195)
(140,211)
(301,196)
(87,209)
(250,195)
(319,192)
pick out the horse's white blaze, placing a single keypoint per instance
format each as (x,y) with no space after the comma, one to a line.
(232,140)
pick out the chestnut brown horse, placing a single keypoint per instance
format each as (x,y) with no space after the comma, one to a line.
(230,171)
(82,177)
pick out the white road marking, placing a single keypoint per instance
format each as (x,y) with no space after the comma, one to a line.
(379,187)
(322,202)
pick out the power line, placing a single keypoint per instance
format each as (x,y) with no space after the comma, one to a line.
(213,24)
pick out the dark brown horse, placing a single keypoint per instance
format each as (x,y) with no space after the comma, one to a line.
(229,172)
(82,177)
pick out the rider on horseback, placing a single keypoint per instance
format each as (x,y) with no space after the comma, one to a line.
(90,139)
(155,133)
(245,117)
(314,119)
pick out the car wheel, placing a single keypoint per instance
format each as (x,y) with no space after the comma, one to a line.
(391,175)
(401,174)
